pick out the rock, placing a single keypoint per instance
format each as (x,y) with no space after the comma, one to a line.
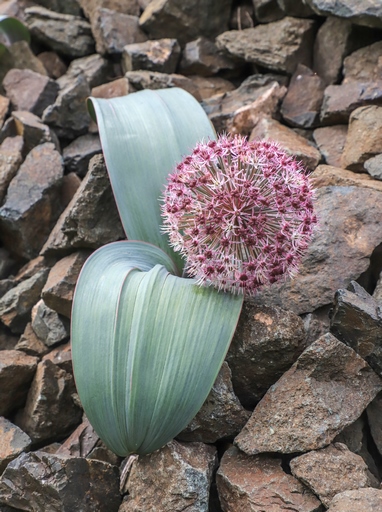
(364,138)
(22,57)
(206,18)
(267,10)
(221,415)
(33,131)
(201,57)
(30,344)
(48,326)
(122,6)
(364,65)
(61,357)
(91,218)
(324,391)
(302,103)
(4,107)
(113,30)
(331,45)
(59,288)
(295,8)
(68,116)
(78,153)
(13,441)
(211,86)
(374,417)
(330,140)
(64,33)
(30,91)
(139,80)
(97,69)
(364,12)
(266,343)
(49,412)
(16,374)
(17,303)
(374,166)
(176,477)
(294,144)
(32,204)
(10,160)
(161,55)
(70,185)
(357,321)
(43,481)
(327,175)
(80,443)
(63,6)
(377,294)
(259,483)
(114,89)
(278,46)
(31,268)
(332,470)
(54,65)
(340,100)
(338,253)
(367,500)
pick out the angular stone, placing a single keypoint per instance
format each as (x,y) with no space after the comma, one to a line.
(30,344)
(50,411)
(10,160)
(42,481)
(161,55)
(323,471)
(364,65)
(30,91)
(177,477)
(259,483)
(113,89)
(91,218)
(123,6)
(113,30)
(267,10)
(201,57)
(13,441)
(210,86)
(331,141)
(31,268)
(355,437)
(78,153)
(221,415)
(294,144)
(33,131)
(48,326)
(7,340)
(367,500)
(16,373)
(374,167)
(278,46)
(4,107)
(54,65)
(81,442)
(22,57)
(302,103)
(61,357)
(64,33)
(32,204)
(139,80)
(364,138)
(331,45)
(17,303)
(59,288)
(324,391)
(327,175)
(338,253)
(266,343)
(364,12)
(97,69)
(206,18)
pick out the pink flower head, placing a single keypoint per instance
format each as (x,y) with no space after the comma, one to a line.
(240,212)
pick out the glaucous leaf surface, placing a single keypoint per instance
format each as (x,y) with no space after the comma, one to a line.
(12,30)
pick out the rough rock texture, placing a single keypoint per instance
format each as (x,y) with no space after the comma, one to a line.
(13,441)
(161,55)
(330,140)
(364,65)
(374,167)
(365,12)
(139,80)
(97,69)
(367,500)
(48,326)
(30,344)
(328,175)
(255,484)
(332,470)
(33,131)
(324,391)
(123,6)
(178,477)
(10,160)
(201,57)
(78,154)
(53,64)
(61,357)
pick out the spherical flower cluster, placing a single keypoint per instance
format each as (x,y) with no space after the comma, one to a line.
(240,212)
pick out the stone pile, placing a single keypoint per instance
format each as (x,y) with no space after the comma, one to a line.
(294,420)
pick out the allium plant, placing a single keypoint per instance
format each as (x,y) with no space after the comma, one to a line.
(240,212)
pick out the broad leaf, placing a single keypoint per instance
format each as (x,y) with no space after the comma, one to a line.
(146,345)
(12,30)
(143,136)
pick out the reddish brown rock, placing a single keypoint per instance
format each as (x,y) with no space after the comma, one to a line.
(266,343)
(113,89)
(294,144)
(255,484)
(16,373)
(31,268)
(61,357)
(49,327)
(53,64)
(367,500)
(160,55)
(59,288)
(139,80)
(123,6)
(33,131)
(330,141)
(211,86)
(70,185)
(13,441)
(201,57)
(10,160)
(328,175)
(332,470)
(30,343)
(80,443)
(96,69)
(50,412)
(302,103)
(177,476)
(364,65)
(32,205)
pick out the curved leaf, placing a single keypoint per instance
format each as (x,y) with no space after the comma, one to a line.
(146,345)
(12,30)
(143,136)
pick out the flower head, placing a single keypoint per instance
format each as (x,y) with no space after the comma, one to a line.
(240,212)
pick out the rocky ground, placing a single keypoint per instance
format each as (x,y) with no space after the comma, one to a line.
(294,421)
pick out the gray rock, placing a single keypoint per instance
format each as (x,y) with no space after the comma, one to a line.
(78,153)
(330,141)
(324,391)
(161,55)
(122,6)
(13,441)
(97,69)
(10,160)
(63,6)
(367,500)
(201,57)
(33,131)
(42,481)
(48,326)
(364,65)
(374,166)
(278,46)
(364,12)
(139,80)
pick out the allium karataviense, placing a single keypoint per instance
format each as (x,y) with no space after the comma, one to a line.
(240,212)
